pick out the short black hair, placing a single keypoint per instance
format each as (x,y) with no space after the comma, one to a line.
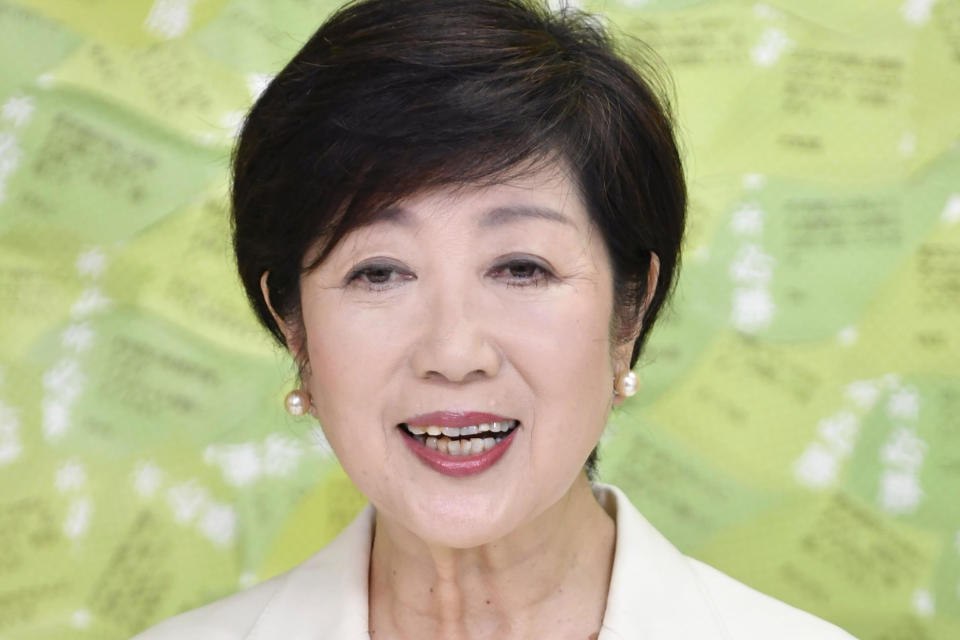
(392,97)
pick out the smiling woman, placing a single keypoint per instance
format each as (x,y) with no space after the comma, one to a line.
(462,218)
(475,308)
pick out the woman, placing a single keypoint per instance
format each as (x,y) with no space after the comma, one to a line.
(462,217)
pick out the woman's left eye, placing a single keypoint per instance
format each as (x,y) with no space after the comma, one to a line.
(522,273)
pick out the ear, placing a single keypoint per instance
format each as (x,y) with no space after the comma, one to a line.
(624,350)
(289,335)
(653,277)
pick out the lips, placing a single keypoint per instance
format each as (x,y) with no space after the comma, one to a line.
(454,428)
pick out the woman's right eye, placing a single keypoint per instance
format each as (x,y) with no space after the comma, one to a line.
(377,277)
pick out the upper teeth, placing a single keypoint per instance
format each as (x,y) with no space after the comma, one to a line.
(456,432)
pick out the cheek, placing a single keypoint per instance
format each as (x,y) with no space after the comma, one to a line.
(572,332)
(343,376)
(346,341)
(563,351)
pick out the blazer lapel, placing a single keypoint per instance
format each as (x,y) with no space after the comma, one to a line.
(654,593)
(324,598)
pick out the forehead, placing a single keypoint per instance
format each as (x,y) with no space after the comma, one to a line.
(547,194)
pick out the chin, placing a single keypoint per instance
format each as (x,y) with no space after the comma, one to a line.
(462,525)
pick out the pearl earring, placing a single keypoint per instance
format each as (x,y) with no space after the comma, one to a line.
(297,402)
(628,385)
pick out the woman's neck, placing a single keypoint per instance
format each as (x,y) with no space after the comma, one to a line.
(547,579)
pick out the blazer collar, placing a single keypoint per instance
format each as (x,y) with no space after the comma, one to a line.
(654,593)
(325,598)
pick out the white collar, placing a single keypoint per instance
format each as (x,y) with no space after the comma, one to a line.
(654,592)
(326,596)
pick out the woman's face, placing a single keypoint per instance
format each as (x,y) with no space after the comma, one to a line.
(453,304)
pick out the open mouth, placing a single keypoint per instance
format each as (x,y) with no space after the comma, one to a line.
(460,441)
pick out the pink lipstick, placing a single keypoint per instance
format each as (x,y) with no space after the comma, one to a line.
(422,436)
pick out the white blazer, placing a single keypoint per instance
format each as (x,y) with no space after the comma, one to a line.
(656,593)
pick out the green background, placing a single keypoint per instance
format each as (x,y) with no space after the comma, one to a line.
(797,424)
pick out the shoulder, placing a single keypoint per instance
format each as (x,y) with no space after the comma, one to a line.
(229,618)
(658,592)
(748,613)
(326,594)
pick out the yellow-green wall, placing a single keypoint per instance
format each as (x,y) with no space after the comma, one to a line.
(797,424)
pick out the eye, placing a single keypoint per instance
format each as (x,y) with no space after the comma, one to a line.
(378,276)
(522,272)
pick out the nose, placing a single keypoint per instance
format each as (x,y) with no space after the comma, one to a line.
(454,344)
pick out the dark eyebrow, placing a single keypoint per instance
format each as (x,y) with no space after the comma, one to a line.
(495,217)
(504,215)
